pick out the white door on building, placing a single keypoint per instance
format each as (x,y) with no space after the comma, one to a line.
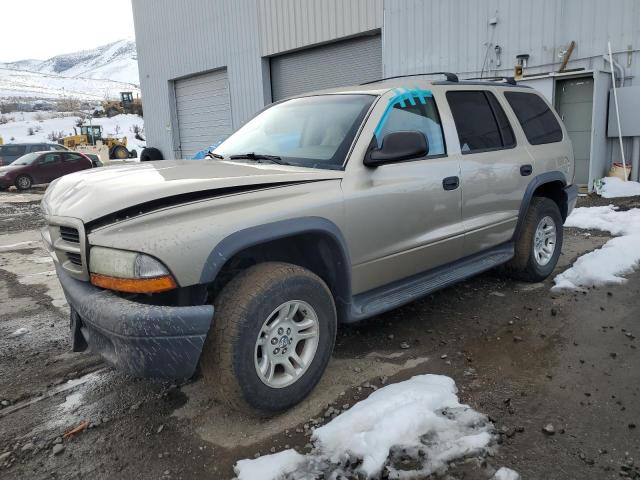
(347,62)
(203,111)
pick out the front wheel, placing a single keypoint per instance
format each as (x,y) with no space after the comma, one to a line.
(272,336)
(24,182)
(119,152)
(539,243)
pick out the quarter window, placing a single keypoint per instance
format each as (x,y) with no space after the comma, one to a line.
(481,123)
(419,117)
(536,118)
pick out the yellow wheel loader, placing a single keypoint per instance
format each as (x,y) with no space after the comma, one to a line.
(90,140)
(127,104)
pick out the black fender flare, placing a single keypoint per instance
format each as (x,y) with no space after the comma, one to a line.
(534,184)
(252,236)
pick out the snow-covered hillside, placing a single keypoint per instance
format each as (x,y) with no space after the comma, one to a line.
(116,61)
(20,124)
(87,74)
(32,85)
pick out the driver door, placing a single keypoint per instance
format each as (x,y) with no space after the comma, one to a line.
(404,218)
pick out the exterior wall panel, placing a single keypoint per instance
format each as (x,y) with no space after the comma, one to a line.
(177,40)
(292,24)
(434,35)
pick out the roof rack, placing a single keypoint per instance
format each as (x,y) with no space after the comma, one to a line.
(451,77)
(509,80)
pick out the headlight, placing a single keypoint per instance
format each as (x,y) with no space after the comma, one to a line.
(127,271)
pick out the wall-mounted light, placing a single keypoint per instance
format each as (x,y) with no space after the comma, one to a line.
(498,50)
(522,60)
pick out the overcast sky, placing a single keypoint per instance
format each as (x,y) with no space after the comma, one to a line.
(41,29)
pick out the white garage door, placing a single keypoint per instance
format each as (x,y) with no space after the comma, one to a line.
(348,62)
(203,108)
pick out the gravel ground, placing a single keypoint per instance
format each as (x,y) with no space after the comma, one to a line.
(528,358)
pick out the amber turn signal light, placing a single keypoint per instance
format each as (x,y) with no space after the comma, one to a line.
(134,285)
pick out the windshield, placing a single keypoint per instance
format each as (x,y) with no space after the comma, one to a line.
(310,132)
(27,159)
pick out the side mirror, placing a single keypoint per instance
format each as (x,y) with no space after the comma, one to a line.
(398,146)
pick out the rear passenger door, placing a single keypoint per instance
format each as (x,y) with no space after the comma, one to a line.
(73,162)
(495,170)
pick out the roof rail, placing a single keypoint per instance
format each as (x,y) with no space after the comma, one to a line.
(509,80)
(451,77)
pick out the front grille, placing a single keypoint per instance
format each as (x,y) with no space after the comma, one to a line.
(69,234)
(74,258)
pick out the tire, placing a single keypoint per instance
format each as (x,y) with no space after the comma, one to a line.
(529,263)
(231,356)
(133,153)
(149,154)
(119,152)
(24,182)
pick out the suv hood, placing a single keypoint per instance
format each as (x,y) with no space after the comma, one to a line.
(92,194)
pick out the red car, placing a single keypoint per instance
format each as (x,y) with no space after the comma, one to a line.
(41,167)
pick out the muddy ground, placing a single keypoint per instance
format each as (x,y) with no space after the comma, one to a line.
(519,353)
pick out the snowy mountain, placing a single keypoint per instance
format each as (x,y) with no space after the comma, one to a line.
(116,61)
(88,74)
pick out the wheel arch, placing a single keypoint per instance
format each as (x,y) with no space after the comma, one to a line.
(314,243)
(551,185)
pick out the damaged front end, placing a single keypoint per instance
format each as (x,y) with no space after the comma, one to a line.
(147,335)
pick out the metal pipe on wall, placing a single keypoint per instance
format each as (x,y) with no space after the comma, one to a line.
(635,159)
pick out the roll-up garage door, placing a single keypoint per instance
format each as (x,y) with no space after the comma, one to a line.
(203,109)
(346,62)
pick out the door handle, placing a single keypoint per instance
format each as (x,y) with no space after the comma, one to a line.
(526,170)
(451,183)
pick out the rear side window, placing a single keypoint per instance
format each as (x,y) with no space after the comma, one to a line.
(538,121)
(481,123)
(419,117)
(72,157)
(13,150)
(38,148)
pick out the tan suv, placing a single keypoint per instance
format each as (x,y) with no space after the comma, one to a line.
(327,208)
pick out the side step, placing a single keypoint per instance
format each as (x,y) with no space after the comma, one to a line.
(401,292)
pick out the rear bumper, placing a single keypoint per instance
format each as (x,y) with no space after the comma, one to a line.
(144,340)
(571,193)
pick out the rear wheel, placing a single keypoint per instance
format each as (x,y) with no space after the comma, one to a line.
(271,339)
(24,182)
(539,243)
(119,152)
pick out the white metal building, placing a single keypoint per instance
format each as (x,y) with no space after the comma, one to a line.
(206,66)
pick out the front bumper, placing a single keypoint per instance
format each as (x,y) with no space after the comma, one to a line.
(144,340)
(5,182)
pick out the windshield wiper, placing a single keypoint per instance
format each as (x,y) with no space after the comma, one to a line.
(258,156)
(214,155)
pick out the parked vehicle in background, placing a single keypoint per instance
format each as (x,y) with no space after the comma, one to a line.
(326,208)
(13,151)
(41,167)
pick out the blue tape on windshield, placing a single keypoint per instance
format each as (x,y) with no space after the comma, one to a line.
(401,97)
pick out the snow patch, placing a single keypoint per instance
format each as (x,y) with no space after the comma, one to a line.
(19,332)
(269,467)
(607,265)
(420,417)
(506,474)
(614,187)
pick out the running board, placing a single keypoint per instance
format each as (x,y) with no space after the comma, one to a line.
(401,292)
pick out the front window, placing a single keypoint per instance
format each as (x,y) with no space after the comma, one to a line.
(314,132)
